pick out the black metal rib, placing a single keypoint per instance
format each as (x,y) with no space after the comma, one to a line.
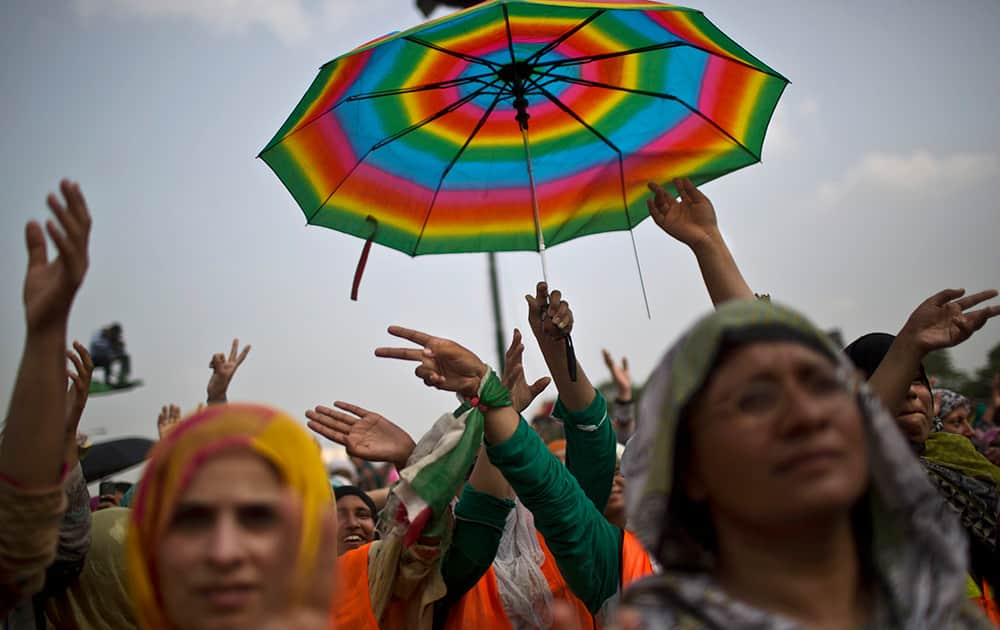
(368,95)
(555,42)
(621,178)
(440,85)
(669,97)
(399,134)
(444,174)
(454,53)
(510,37)
(575,61)
(441,112)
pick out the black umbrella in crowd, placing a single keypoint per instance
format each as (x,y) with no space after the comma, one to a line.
(112,457)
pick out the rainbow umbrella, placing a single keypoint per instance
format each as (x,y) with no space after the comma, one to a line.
(420,140)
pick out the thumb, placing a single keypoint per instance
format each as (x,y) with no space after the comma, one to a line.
(532,303)
(539,386)
(35,241)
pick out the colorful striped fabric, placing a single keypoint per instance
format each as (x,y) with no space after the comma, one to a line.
(418,130)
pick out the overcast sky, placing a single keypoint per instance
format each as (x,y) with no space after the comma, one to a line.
(879,186)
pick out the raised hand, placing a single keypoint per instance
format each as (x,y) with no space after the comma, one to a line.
(444,364)
(944,319)
(50,286)
(365,434)
(521,394)
(79,389)
(223,369)
(620,375)
(548,314)
(167,421)
(690,219)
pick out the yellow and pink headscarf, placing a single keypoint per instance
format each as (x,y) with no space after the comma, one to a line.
(265,431)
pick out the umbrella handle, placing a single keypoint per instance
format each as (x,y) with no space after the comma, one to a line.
(570,358)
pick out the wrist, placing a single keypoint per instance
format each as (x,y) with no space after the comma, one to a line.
(709,244)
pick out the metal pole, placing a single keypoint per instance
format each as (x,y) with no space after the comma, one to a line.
(497,315)
(539,236)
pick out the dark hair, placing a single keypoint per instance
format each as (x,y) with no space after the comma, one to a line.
(345,491)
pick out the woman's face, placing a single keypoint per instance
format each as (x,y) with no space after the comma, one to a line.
(957,421)
(777,439)
(213,562)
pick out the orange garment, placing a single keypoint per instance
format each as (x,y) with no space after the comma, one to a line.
(988,604)
(351,608)
(482,607)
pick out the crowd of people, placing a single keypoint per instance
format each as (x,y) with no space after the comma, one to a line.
(766,478)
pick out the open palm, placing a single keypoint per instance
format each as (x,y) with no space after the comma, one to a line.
(365,434)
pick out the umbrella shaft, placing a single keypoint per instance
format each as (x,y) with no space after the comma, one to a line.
(534,204)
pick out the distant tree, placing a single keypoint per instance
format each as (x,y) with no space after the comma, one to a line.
(940,366)
(427,6)
(979,385)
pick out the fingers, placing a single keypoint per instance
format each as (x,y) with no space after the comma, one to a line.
(512,375)
(943,297)
(243,355)
(541,298)
(77,204)
(515,341)
(539,386)
(692,191)
(406,354)
(356,410)
(66,220)
(77,362)
(625,364)
(88,362)
(683,191)
(67,252)
(34,239)
(975,320)
(608,360)
(976,298)
(233,350)
(409,334)
(429,376)
(217,358)
(175,412)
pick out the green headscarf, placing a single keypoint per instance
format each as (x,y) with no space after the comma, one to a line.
(918,551)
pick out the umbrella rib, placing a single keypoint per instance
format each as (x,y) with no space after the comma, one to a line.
(510,36)
(621,177)
(451,164)
(669,97)
(454,53)
(575,61)
(369,95)
(416,88)
(396,136)
(573,31)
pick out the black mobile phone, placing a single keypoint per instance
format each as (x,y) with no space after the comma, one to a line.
(106,488)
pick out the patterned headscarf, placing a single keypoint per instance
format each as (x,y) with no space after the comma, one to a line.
(264,431)
(917,550)
(948,401)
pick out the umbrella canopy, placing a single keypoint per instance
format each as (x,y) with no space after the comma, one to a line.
(112,457)
(419,141)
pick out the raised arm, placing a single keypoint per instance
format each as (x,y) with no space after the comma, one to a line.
(32,454)
(34,447)
(941,321)
(223,369)
(692,221)
(76,398)
(623,410)
(551,320)
(585,545)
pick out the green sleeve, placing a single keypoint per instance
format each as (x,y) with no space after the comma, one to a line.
(479,524)
(590,448)
(584,543)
